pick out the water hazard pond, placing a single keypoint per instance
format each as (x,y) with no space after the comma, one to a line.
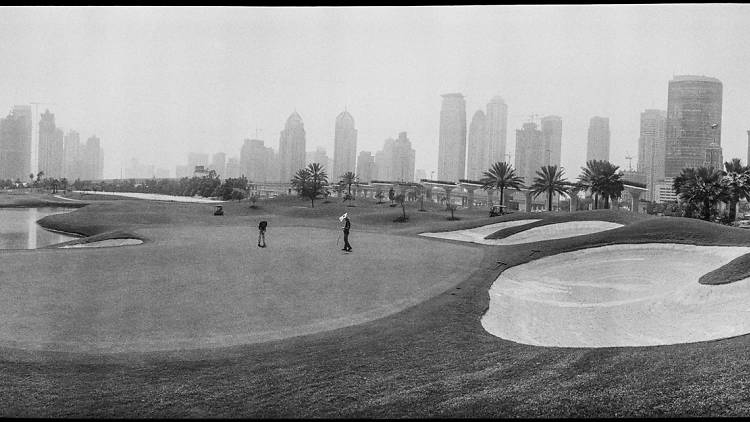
(19,228)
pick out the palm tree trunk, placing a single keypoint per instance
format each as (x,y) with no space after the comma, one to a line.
(596,201)
(549,201)
(501,196)
(732,209)
(707,210)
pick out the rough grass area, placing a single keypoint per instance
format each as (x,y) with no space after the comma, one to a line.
(735,270)
(429,360)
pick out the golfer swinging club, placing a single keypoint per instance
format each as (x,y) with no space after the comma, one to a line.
(347,225)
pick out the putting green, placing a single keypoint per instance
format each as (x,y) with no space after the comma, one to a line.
(198,287)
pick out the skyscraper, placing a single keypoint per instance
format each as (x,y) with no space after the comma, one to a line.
(50,146)
(597,147)
(93,159)
(530,155)
(693,121)
(452,142)
(233,167)
(256,161)
(478,148)
(384,160)
(15,144)
(366,170)
(320,156)
(403,159)
(72,156)
(497,130)
(345,146)
(552,137)
(291,147)
(651,149)
(219,164)
(714,156)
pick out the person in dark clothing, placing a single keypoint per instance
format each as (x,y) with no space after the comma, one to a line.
(262,233)
(347,226)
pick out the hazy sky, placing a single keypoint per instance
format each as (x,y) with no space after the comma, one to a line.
(159,82)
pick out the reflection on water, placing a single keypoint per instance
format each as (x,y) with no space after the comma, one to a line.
(19,230)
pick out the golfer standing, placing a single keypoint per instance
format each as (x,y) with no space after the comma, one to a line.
(262,233)
(347,226)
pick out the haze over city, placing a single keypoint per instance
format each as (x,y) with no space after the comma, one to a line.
(156,83)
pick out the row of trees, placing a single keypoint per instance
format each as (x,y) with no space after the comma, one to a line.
(312,183)
(599,177)
(207,186)
(700,189)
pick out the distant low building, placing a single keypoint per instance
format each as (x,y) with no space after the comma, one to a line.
(200,171)
(664,192)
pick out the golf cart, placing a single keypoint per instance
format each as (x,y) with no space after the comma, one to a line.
(218,210)
(496,210)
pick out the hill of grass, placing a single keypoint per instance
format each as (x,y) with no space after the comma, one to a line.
(429,360)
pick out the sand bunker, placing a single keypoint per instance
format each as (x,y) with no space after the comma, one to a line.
(105,243)
(478,234)
(619,295)
(536,234)
(157,197)
(67,199)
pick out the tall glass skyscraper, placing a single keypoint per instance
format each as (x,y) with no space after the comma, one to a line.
(552,136)
(477,161)
(291,147)
(597,147)
(15,144)
(651,149)
(693,121)
(497,130)
(344,146)
(452,143)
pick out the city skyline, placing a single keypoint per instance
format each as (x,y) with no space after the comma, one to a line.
(158,82)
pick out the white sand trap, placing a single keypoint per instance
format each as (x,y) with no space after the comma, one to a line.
(67,199)
(536,234)
(156,197)
(105,243)
(619,295)
(557,231)
(478,234)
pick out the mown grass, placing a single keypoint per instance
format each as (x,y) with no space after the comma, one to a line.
(430,360)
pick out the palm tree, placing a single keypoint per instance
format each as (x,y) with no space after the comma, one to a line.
(310,182)
(737,183)
(549,180)
(601,178)
(349,178)
(700,186)
(501,176)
